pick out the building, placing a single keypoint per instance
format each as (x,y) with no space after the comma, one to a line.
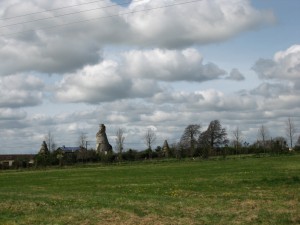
(67,150)
(8,161)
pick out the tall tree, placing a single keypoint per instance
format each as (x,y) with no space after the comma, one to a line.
(189,137)
(43,157)
(150,138)
(120,141)
(44,149)
(49,139)
(82,140)
(237,138)
(215,135)
(263,134)
(290,131)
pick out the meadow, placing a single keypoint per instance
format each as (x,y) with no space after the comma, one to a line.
(249,190)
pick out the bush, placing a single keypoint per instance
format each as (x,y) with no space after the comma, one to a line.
(297,148)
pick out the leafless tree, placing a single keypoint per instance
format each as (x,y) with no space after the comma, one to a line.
(263,134)
(149,138)
(49,139)
(290,131)
(237,138)
(120,140)
(82,140)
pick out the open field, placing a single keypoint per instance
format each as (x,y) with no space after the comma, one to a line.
(236,191)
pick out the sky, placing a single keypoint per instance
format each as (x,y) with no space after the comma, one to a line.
(68,66)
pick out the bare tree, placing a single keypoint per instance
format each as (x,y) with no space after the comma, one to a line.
(49,139)
(190,136)
(82,140)
(290,131)
(149,138)
(237,138)
(263,134)
(120,141)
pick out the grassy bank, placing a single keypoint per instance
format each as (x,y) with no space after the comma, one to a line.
(236,191)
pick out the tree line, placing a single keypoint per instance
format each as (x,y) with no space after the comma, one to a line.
(194,142)
(214,141)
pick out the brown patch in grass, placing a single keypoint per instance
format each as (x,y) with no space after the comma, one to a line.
(116,217)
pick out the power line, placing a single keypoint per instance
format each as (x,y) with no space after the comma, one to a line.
(66,14)
(49,10)
(98,18)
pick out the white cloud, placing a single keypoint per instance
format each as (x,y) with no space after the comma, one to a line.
(101,83)
(235,74)
(284,66)
(68,48)
(206,21)
(271,90)
(136,74)
(177,97)
(170,65)
(97,83)
(160,116)
(21,90)
(12,114)
(148,85)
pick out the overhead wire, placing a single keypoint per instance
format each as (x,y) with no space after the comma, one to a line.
(84,21)
(66,14)
(98,18)
(49,10)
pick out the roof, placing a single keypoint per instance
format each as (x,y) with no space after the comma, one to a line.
(69,149)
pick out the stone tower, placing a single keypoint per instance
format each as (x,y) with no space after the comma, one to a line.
(102,144)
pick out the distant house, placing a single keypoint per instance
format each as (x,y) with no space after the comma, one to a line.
(67,150)
(7,161)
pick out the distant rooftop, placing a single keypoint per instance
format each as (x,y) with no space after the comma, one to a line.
(69,149)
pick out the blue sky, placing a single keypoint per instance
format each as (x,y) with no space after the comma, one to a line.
(237,61)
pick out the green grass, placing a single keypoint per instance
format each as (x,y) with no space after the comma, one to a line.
(236,191)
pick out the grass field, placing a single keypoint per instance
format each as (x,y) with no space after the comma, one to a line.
(235,191)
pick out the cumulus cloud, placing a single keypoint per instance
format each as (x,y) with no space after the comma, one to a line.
(177,97)
(21,91)
(101,83)
(170,65)
(68,48)
(283,70)
(137,88)
(12,114)
(285,65)
(135,74)
(271,90)
(235,74)
(219,101)
(206,21)
(206,100)
(47,54)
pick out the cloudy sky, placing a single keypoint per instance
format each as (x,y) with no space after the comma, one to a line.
(68,66)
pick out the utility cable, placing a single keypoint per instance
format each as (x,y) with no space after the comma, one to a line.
(66,14)
(98,18)
(49,10)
